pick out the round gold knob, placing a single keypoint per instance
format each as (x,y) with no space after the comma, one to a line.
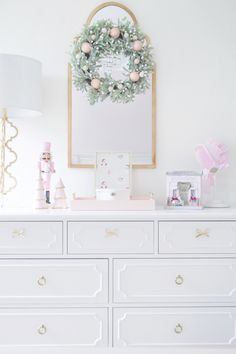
(42,330)
(42,281)
(179,280)
(178,328)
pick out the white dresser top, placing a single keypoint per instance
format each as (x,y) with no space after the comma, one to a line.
(160,214)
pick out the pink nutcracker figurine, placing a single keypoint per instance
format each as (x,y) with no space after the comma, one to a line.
(46,167)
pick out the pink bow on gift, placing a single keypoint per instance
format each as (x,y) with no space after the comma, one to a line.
(212,156)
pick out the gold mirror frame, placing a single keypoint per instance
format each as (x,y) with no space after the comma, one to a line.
(141,166)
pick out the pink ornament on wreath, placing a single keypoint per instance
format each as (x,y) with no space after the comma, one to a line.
(86,47)
(115,32)
(137,46)
(95,83)
(134,76)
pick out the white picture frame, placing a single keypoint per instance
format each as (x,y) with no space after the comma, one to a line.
(184,190)
(113,175)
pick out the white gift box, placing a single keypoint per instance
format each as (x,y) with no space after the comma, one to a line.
(112,194)
(113,176)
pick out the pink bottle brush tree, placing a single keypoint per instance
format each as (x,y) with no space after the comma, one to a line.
(212,156)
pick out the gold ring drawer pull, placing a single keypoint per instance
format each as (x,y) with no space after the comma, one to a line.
(111,232)
(42,281)
(42,329)
(178,328)
(179,280)
(202,233)
(18,233)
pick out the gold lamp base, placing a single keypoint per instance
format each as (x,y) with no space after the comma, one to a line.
(8,156)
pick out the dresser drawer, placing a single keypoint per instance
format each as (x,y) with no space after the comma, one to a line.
(158,280)
(148,327)
(73,327)
(197,237)
(30,237)
(110,237)
(55,281)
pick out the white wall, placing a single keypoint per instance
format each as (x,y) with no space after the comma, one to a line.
(195,44)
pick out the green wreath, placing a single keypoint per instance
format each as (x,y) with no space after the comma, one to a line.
(103,39)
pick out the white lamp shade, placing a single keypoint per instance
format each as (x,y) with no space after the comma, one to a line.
(20,85)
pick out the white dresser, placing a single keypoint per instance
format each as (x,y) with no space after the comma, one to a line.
(99,282)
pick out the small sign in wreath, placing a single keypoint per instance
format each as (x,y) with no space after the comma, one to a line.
(106,41)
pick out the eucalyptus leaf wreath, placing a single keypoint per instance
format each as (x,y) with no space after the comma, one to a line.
(105,39)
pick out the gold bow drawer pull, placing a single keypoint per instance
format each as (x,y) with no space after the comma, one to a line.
(202,233)
(18,233)
(42,329)
(178,328)
(42,281)
(179,280)
(110,232)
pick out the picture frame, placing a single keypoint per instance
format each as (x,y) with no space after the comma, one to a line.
(184,190)
(113,175)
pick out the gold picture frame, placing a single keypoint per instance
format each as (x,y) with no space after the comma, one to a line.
(70,83)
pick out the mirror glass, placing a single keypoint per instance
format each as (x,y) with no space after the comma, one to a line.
(108,126)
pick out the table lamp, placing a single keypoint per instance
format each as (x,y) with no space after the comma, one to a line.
(20,96)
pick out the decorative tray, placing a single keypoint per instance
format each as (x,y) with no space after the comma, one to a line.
(92,204)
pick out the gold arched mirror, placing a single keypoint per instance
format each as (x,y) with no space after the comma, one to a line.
(108,126)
